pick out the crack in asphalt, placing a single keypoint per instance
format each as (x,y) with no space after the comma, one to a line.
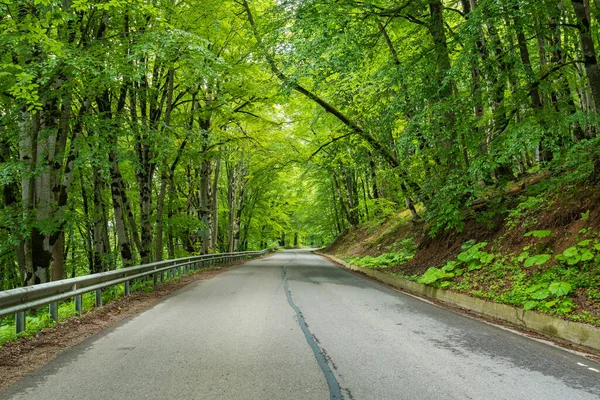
(335,392)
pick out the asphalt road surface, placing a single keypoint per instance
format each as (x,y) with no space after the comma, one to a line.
(294,326)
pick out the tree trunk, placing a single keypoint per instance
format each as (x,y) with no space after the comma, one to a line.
(164,181)
(100,237)
(215,206)
(588,48)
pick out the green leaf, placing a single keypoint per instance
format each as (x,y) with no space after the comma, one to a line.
(523,256)
(534,288)
(584,243)
(586,215)
(433,275)
(450,265)
(573,260)
(570,252)
(540,294)
(486,258)
(530,305)
(538,259)
(539,234)
(474,265)
(558,288)
(587,255)
(550,304)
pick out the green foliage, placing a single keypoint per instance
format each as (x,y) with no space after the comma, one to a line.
(538,234)
(406,250)
(433,275)
(559,288)
(548,288)
(473,257)
(523,213)
(538,259)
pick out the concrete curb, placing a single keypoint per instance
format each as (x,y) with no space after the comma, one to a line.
(574,332)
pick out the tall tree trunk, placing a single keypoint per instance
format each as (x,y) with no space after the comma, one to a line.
(164,179)
(215,206)
(204,212)
(438,34)
(117,191)
(588,48)
(89,227)
(100,238)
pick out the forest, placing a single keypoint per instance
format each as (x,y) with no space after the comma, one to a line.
(136,131)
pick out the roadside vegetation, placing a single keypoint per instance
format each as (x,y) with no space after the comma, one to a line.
(542,255)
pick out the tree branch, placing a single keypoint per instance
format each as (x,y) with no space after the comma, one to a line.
(389,157)
(329,143)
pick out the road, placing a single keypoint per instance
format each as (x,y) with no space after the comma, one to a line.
(294,326)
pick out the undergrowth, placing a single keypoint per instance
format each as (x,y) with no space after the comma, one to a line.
(398,253)
(535,279)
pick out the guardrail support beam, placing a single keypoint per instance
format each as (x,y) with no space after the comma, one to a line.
(126,290)
(98,297)
(20,322)
(78,307)
(54,311)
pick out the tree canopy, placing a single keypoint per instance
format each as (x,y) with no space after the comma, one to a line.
(133,131)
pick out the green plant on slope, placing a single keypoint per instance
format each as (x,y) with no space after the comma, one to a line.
(521,215)
(472,258)
(406,251)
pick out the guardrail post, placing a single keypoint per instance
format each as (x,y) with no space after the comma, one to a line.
(126,288)
(162,276)
(20,322)
(98,297)
(155,279)
(78,304)
(54,311)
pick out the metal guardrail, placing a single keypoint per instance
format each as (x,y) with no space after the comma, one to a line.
(18,301)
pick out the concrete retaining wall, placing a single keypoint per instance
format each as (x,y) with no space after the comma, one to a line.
(574,332)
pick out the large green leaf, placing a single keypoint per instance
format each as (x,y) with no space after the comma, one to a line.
(558,288)
(538,259)
(539,234)
(540,294)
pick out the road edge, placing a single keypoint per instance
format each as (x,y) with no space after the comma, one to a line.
(20,357)
(572,332)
